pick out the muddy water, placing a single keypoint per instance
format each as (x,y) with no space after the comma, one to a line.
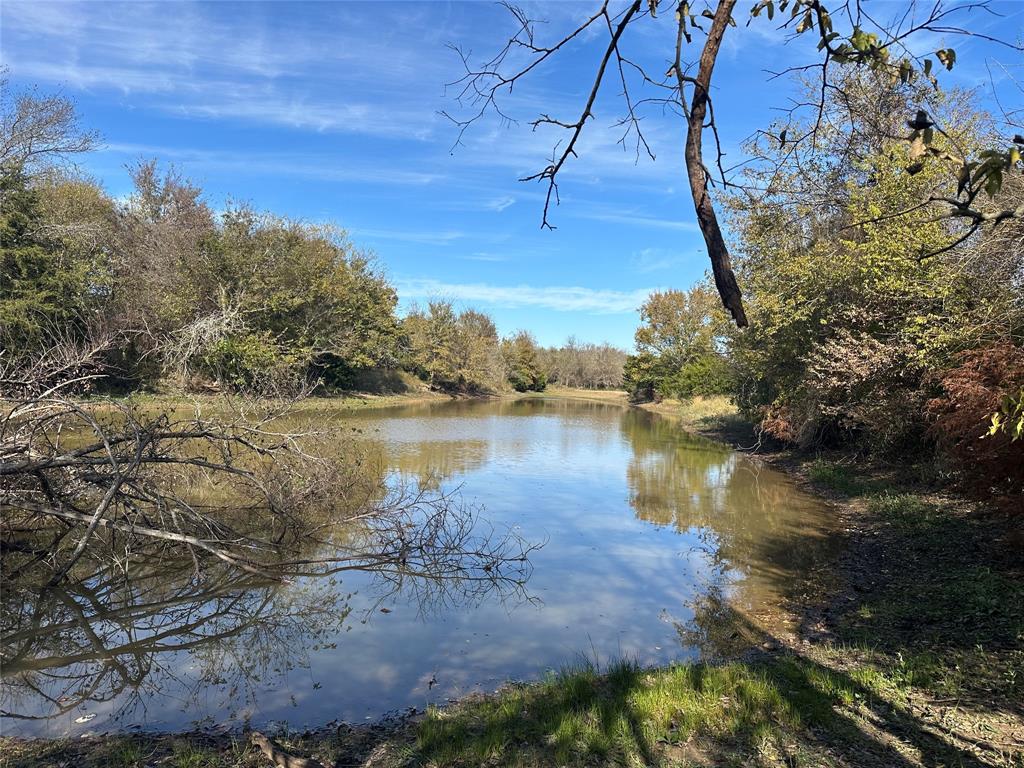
(648,533)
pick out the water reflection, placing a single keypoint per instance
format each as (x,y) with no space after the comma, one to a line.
(649,532)
(116,641)
(101,645)
(747,517)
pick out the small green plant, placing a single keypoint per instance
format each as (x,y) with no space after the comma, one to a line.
(898,505)
(835,477)
(187,755)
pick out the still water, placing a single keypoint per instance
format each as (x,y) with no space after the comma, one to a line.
(643,526)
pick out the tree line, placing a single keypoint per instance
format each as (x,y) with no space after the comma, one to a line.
(166,290)
(99,294)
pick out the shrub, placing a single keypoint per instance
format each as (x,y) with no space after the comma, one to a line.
(982,381)
(251,362)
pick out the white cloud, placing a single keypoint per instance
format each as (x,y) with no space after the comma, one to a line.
(631,218)
(425,238)
(499,204)
(325,167)
(563,299)
(195,60)
(655,260)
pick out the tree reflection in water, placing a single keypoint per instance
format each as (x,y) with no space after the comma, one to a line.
(750,521)
(112,639)
(607,489)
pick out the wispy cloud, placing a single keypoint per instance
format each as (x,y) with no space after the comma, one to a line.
(499,204)
(631,218)
(200,61)
(562,299)
(654,260)
(481,256)
(406,236)
(325,167)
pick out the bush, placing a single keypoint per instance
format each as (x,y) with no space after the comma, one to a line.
(706,375)
(982,381)
(251,362)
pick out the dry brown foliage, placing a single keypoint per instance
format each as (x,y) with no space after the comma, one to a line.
(961,417)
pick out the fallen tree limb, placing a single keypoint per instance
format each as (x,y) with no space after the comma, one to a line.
(278,756)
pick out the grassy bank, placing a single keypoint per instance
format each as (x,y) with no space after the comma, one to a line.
(913,657)
(342,401)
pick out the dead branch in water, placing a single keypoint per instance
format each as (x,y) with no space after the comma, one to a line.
(108,479)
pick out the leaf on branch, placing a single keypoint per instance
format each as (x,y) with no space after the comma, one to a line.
(921,121)
(964,177)
(994,182)
(905,71)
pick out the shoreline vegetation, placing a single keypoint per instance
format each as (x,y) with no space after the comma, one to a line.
(908,654)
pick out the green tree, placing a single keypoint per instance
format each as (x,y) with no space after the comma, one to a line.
(457,352)
(856,310)
(51,278)
(288,299)
(52,266)
(678,346)
(522,363)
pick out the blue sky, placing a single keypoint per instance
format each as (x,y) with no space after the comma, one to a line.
(329,112)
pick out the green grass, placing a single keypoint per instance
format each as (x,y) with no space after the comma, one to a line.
(636,716)
(944,591)
(907,511)
(186,755)
(839,478)
(127,754)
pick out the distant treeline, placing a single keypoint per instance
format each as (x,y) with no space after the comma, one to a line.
(583,365)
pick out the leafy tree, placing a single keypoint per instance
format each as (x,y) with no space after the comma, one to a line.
(640,377)
(677,326)
(290,299)
(857,310)
(520,353)
(48,282)
(678,346)
(452,351)
(52,272)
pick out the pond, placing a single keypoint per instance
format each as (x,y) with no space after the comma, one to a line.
(647,532)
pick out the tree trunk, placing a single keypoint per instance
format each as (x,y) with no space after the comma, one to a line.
(718,252)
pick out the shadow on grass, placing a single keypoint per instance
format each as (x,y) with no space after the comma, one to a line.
(785,709)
